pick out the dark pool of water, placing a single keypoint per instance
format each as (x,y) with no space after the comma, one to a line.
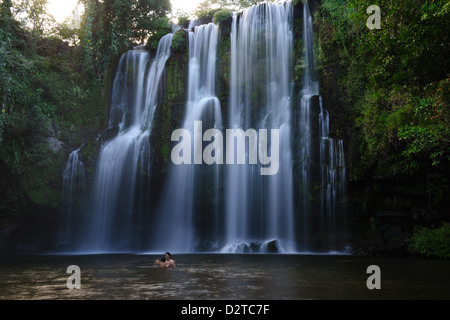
(222,277)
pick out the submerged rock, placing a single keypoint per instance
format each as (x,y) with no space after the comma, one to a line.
(205,246)
(273,246)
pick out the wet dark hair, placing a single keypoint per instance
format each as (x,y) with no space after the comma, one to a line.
(164,256)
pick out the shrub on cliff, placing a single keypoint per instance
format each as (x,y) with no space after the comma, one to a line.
(431,242)
(222,15)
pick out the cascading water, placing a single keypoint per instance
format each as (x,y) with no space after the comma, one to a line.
(260,209)
(206,206)
(331,156)
(135,93)
(179,209)
(74,176)
(310,89)
(332,164)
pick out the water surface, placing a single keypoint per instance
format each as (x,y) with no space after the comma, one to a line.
(221,277)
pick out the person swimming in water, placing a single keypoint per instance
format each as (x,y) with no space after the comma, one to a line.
(166,262)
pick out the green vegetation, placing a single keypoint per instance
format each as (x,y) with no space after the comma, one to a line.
(54,87)
(222,15)
(431,242)
(223,8)
(206,13)
(407,75)
(179,44)
(395,81)
(41,99)
(391,87)
(111,27)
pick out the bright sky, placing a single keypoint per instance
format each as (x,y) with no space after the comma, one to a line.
(185,5)
(62,9)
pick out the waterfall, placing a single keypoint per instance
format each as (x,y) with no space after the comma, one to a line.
(260,209)
(309,89)
(180,207)
(74,176)
(331,156)
(332,171)
(204,205)
(134,100)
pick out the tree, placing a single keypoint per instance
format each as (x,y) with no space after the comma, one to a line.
(36,18)
(111,27)
(208,8)
(234,4)
(5,45)
(69,30)
(149,16)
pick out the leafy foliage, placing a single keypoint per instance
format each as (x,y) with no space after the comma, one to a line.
(179,41)
(222,15)
(52,94)
(428,132)
(34,16)
(111,27)
(203,13)
(397,80)
(39,101)
(234,4)
(208,8)
(431,242)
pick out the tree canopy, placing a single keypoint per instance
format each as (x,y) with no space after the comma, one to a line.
(396,82)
